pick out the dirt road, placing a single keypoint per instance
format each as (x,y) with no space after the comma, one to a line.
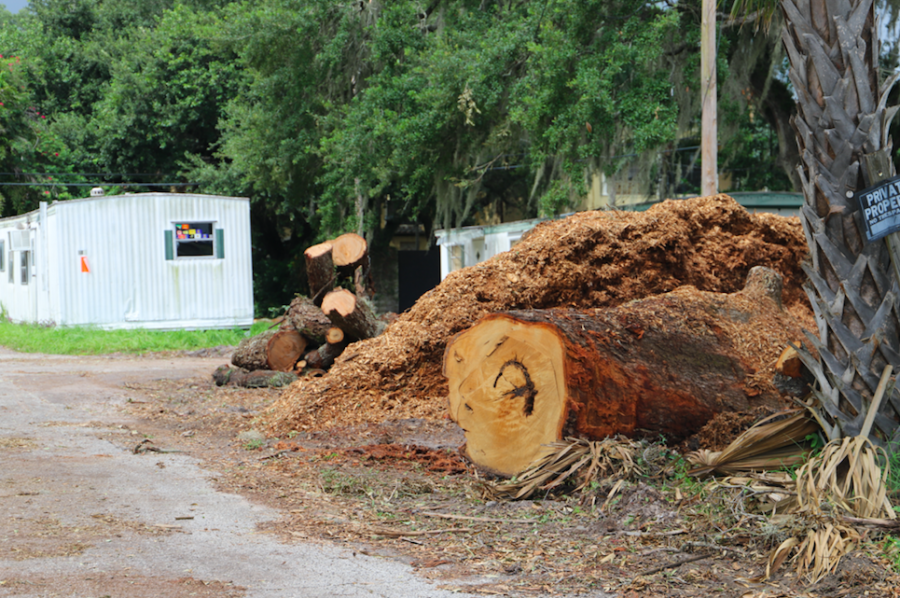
(81,514)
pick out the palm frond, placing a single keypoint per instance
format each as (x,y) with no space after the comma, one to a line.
(775,442)
(574,458)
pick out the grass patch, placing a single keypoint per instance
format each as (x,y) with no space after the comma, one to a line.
(32,338)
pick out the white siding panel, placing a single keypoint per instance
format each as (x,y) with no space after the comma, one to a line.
(18,300)
(131,284)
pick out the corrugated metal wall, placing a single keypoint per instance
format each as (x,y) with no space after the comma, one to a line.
(18,300)
(121,241)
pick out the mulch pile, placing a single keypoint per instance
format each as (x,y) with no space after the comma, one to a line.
(588,260)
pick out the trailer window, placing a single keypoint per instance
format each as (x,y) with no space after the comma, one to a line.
(12,269)
(194,239)
(2,255)
(26,265)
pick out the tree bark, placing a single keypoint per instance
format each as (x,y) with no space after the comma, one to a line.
(250,354)
(284,349)
(362,281)
(319,271)
(660,366)
(307,319)
(351,315)
(842,115)
(323,357)
(225,375)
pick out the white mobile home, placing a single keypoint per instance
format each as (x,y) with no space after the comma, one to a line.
(469,245)
(150,260)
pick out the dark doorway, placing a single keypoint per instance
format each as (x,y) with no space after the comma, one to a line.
(419,272)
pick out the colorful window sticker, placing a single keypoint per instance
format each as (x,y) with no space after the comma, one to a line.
(194,239)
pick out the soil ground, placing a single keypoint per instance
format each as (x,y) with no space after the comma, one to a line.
(138,477)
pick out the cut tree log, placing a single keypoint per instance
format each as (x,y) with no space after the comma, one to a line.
(660,366)
(225,375)
(351,315)
(334,335)
(250,354)
(319,271)
(349,251)
(284,349)
(323,357)
(789,363)
(307,319)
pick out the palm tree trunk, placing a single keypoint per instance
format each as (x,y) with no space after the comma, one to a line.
(833,50)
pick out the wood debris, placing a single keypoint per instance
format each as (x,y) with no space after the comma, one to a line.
(588,260)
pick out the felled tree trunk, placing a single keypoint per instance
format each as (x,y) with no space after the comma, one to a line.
(250,354)
(225,375)
(307,319)
(319,271)
(660,366)
(284,349)
(351,315)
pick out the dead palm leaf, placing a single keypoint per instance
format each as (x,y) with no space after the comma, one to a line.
(778,441)
(844,479)
(847,474)
(584,460)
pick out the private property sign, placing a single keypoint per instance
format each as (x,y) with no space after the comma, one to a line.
(880,208)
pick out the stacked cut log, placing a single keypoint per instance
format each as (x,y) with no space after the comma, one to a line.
(316,329)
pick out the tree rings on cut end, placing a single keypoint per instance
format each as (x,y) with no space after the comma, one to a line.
(507,390)
(284,349)
(349,250)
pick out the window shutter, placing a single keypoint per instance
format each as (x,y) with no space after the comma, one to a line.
(170,245)
(220,243)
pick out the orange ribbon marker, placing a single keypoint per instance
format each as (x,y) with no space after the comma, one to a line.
(84,264)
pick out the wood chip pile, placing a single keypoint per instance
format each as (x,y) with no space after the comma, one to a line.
(590,259)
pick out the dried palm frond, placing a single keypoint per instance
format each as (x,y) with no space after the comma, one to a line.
(822,550)
(771,493)
(817,554)
(847,476)
(573,458)
(844,479)
(847,473)
(780,440)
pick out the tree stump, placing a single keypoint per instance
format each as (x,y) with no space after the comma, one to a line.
(250,354)
(319,271)
(660,366)
(284,349)
(351,315)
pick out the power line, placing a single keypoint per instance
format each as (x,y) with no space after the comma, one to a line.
(110,174)
(2,184)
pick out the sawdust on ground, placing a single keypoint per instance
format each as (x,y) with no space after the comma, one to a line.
(588,260)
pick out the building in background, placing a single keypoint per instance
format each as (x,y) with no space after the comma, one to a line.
(150,260)
(469,245)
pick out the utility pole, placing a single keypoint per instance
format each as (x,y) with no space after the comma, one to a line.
(709,178)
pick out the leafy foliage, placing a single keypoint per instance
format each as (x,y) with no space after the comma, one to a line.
(326,113)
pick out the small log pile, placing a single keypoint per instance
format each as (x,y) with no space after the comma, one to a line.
(315,330)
